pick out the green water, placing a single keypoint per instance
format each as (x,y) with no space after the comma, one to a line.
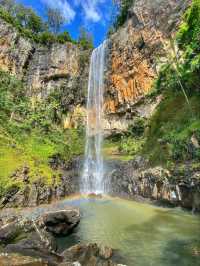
(143,235)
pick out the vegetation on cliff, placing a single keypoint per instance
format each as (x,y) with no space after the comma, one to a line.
(33,27)
(31,133)
(123,7)
(176,123)
(172,135)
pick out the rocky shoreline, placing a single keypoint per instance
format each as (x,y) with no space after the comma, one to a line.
(133,180)
(28,237)
(136,181)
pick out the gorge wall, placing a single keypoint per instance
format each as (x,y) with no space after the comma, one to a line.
(45,68)
(133,64)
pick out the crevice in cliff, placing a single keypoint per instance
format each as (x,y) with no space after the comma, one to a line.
(56,77)
(28,61)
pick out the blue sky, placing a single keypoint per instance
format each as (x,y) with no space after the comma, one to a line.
(94,15)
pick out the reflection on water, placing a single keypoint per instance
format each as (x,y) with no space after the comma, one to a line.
(144,235)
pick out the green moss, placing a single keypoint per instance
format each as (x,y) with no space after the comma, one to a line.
(170,130)
(111,151)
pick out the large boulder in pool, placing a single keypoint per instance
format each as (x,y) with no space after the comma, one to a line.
(60,222)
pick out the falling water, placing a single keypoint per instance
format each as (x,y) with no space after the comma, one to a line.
(93,172)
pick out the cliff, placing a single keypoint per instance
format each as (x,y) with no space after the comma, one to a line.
(134,52)
(44,68)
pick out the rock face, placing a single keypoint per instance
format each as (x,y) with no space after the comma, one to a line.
(59,66)
(15,51)
(45,68)
(134,50)
(135,180)
(38,193)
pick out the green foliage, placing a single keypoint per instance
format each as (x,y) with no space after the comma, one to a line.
(31,26)
(12,96)
(31,133)
(189,33)
(131,145)
(122,14)
(137,128)
(170,131)
(85,40)
(46,38)
(64,37)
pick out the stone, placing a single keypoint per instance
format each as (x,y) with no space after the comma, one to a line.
(88,255)
(105,252)
(35,245)
(9,232)
(61,222)
(17,260)
(136,181)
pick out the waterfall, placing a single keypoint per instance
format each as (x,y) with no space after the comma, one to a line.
(93,172)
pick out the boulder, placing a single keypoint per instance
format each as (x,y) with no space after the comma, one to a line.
(9,232)
(37,245)
(17,260)
(60,222)
(88,255)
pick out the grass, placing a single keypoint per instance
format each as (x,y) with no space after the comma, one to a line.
(33,153)
(111,152)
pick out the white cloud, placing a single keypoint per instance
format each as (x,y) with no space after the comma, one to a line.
(65,8)
(91,9)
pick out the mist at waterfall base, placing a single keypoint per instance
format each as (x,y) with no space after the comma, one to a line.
(92,180)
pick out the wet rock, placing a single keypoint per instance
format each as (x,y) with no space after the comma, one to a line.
(36,245)
(88,255)
(105,252)
(136,181)
(60,222)
(17,260)
(9,232)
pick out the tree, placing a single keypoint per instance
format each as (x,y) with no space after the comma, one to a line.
(85,39)
(35,22)
(64,37)
(55,19)
(122,11)
(8,5)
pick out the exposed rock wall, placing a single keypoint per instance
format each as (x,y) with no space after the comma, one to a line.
(45,68)
(58,66)
(135,180)
(134,50)
(15,51)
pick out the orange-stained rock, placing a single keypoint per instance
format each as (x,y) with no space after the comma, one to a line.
(135,48)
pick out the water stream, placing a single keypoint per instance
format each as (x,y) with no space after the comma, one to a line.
(93,173)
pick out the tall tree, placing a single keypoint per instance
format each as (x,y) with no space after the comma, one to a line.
(55,19)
